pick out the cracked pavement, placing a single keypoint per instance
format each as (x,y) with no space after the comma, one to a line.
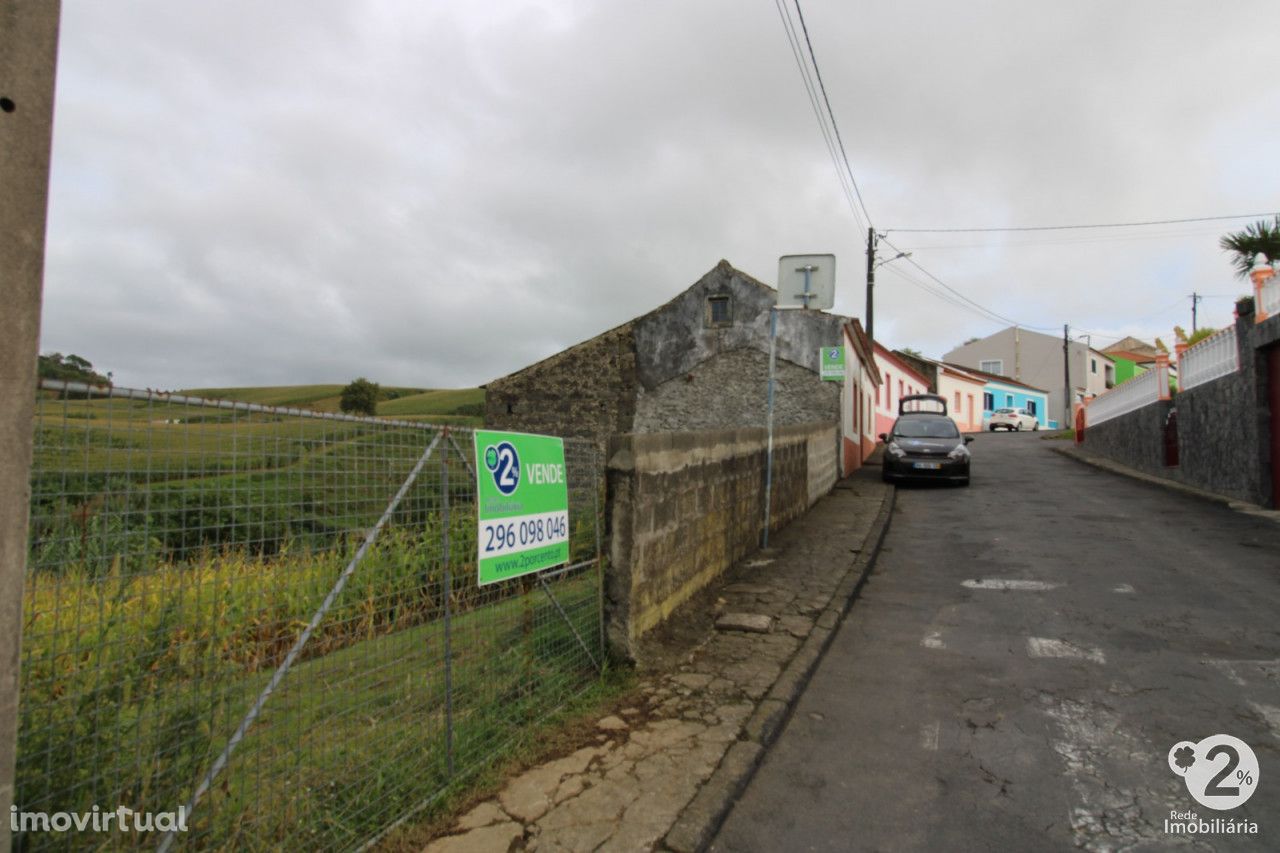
(1019,664)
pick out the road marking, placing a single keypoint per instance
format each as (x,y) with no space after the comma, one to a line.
(1269,670)
(1123,588)
(1040,647)
(1271,714)
(933,641)
(929,734)
(998,583)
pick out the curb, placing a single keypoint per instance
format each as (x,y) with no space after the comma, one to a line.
(706,813)
(1113,467)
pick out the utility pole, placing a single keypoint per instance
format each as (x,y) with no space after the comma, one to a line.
(1066,377)
(28,57)
(871,283)
(1195,300)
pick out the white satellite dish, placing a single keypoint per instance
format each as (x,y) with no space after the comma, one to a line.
(807,281)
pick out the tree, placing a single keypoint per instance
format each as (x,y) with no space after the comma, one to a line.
(1261,236)
(1200,334)
(70,368)
(915,353)
(360,397)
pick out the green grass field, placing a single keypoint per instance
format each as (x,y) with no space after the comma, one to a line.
(463,406)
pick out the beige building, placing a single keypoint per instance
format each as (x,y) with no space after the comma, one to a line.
(1037,359)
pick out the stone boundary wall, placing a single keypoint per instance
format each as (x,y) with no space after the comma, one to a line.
(683,507)
(1224,426)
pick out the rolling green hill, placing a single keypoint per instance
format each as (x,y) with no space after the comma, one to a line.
(457,405)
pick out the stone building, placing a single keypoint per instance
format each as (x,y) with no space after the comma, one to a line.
(701,361)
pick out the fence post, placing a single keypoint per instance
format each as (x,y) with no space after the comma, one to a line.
(1180,349)
(1162,376)
(448,626)
(1262,272)
(28,59)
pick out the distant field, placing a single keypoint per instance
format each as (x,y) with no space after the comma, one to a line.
(460,405)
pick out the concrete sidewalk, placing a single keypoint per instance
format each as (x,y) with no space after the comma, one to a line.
(718,682)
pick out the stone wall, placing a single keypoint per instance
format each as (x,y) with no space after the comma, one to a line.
(683,507)
(1135,439)
(1223,426)
(587,391)
(730,390)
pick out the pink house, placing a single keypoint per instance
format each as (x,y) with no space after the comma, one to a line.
(898,380)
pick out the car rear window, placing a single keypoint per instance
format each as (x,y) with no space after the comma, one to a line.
(926,427)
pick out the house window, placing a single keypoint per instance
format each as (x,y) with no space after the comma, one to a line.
(1031,407)
(1093,365)
(988,401)
(719,311)
(958,403)
(888,391)
(995,366)
(899,389)
(1008,401)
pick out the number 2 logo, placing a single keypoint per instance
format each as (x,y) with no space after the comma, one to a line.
(1216,783)
(503,463)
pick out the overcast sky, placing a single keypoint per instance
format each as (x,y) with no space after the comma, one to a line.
(434,194)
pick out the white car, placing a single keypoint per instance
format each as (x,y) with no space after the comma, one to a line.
(1013,419)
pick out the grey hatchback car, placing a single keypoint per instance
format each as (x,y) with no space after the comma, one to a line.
(925,446)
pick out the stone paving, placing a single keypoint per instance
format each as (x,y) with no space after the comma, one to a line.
(710,678)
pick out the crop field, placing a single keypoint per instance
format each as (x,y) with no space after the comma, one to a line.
(178,554)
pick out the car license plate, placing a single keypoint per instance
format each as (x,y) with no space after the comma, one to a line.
(928,466)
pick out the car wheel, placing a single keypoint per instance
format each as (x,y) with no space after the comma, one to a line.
(1018,426)
(991,428)
(1036,428)
(964,482)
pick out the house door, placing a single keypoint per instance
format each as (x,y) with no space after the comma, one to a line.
(1273,402)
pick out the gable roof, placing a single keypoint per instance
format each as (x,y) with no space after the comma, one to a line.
(865,348)
(891,356)
(996,377)
(1130,345)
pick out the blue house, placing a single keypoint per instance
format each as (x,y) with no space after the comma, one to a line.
(1001,392)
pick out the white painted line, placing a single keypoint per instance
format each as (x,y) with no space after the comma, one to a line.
(933,641)
(1040,647)
(998,583)
(1266,670)
(1271,714)
(929,734)
(1124,588)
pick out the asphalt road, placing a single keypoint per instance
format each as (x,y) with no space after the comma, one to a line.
(1019,666)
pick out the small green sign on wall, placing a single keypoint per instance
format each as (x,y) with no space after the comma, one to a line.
(523,512)
(832,360)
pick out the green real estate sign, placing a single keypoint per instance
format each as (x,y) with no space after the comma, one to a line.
(832,364)
(523,511)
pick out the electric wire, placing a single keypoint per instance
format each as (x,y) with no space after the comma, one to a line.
(1012,228)
(840,143)
(806,78)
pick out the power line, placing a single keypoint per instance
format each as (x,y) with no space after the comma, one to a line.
(951,289)
(1077,227)
(818,72)
(844,176)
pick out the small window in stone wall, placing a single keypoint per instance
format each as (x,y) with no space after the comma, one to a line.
(719,311)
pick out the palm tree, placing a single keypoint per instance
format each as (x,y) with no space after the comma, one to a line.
(1261,236)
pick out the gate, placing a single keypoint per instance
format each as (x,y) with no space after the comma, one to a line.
(267,620)
(1171,439)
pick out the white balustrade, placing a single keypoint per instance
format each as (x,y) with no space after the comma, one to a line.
(1141,390)
(1210,359)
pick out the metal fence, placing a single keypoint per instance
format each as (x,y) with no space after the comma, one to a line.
(270,618)
(1210,359)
